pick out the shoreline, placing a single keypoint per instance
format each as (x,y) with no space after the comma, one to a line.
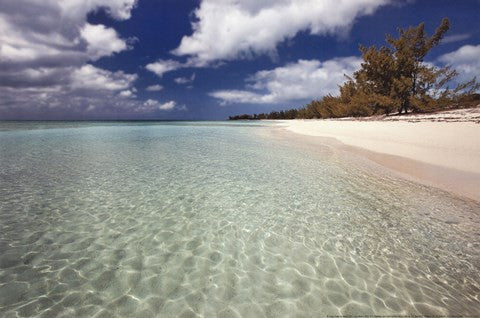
(438,154)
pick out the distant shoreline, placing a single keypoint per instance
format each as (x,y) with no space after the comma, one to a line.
(443,151)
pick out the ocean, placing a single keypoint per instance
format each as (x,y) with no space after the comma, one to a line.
(221,219)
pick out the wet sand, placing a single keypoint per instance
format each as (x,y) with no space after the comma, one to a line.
(445,155)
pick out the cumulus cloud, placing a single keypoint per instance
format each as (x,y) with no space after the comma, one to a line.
(63,103)
(232,29)
(56,32)
(129,93)
(101,41)
(77,9)
(167,106)
(161,67)
(305,79)
(154,88)
(45,47)
(151,105)
(465,60)
(86,89)
(90,77)
(151,102)
(185,80)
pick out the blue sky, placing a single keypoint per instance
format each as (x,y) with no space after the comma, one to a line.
(204,59)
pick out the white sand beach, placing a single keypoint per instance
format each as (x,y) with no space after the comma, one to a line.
(441,150)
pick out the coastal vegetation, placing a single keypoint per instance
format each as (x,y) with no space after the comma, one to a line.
(392,79)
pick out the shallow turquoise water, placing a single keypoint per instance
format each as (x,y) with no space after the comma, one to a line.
(218,219)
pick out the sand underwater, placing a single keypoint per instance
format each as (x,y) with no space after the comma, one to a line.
(221,220)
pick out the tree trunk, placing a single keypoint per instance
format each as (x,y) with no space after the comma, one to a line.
(404,107)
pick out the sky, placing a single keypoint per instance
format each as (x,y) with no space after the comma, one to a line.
(203,59)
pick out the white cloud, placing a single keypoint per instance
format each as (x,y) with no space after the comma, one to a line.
(93,78)
(232,29)
(64,102)
(465,60)
(151,105)
(185,80)
(305,79)
(455,38)
(239,96)
(154,88)
(101,41)
(49,32)
(151,102)
(21,43)
(118,9)
(161,67)
(44,48)
(129,93)
(168,105)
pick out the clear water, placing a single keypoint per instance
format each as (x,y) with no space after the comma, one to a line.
(220,220)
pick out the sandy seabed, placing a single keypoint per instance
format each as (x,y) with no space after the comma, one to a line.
(222,220)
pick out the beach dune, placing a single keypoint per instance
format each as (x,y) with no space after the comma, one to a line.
(443,154)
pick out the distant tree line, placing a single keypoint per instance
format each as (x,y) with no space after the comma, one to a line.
(391,79)
(283,114)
